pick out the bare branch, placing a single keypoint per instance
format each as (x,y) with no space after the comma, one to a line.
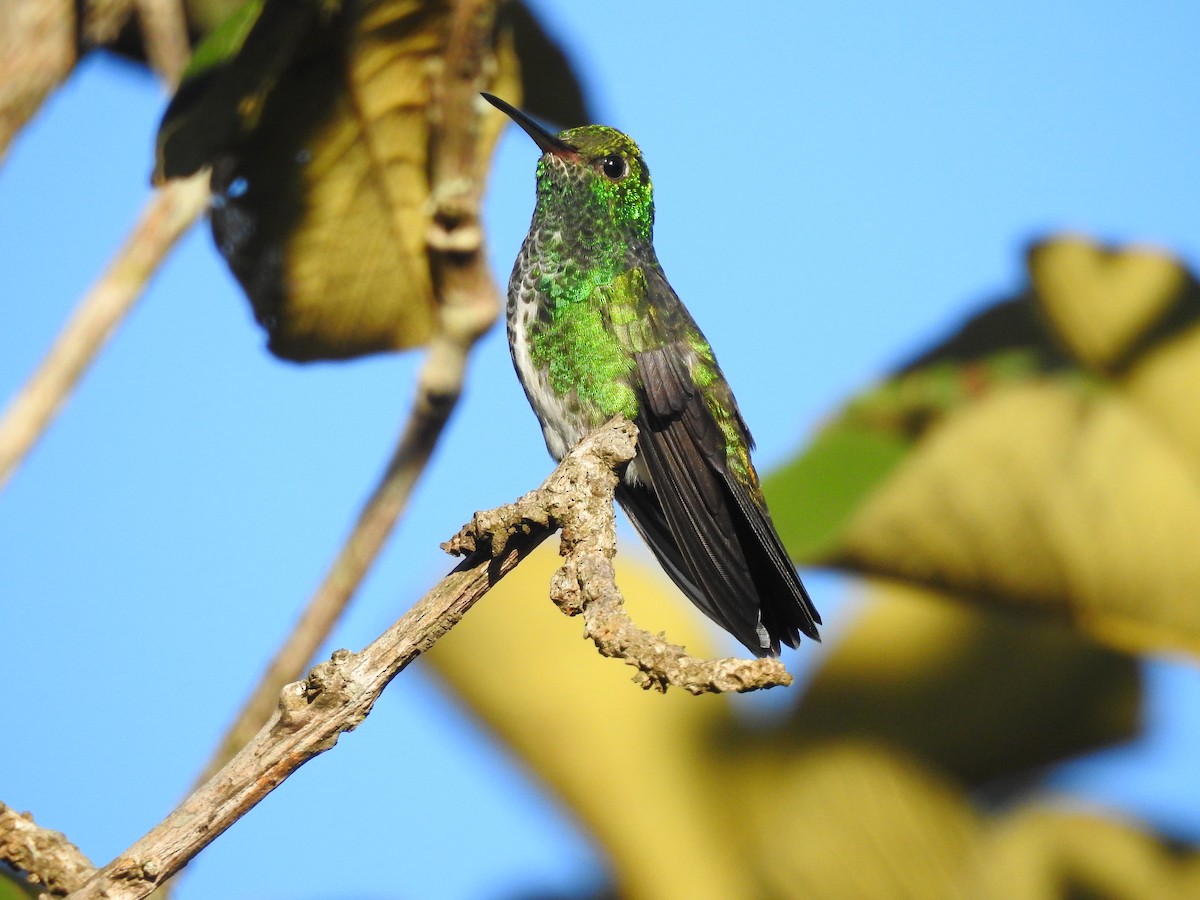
(375,522)
(102,21)
(586,583)
(38,49)
(338,694)
(45,856)
(164,31)
(169,214)
(40,42)
(37,52)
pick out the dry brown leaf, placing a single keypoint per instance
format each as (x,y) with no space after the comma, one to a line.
(316,119)
(323,205)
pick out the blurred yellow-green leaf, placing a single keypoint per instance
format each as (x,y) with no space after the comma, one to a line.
(1042,853)
(978,691)
(315,120)
(1048,497)
(993,476)
(1028,479)
(839,797)
(1101,300)
(846,818)
(814,497)
(684,797)
(1162,386)
(631,765)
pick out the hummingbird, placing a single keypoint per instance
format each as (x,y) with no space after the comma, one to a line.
(595,330)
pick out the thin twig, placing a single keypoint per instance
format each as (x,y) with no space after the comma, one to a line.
(45,856)
(169,213)
(338,694)
(467,307)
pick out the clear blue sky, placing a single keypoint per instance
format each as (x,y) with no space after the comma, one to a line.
(837,185)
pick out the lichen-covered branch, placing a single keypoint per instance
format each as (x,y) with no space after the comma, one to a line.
(588,581)
(585,584)
(338,694)
(46,857)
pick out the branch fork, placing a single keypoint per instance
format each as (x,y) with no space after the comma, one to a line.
(579,500)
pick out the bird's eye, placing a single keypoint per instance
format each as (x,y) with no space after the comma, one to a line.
(613,166)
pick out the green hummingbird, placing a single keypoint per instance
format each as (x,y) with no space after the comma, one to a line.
(594,330)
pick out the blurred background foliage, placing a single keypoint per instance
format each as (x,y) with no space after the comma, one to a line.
(1021,510)
(1019,504)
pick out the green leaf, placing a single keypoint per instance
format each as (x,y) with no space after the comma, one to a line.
(227,81)
(224,41)
(813,497)
(205,16)
(15,887)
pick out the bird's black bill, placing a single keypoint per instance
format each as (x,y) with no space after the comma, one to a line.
(547,142)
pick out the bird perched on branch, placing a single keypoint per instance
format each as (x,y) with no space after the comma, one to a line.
(595,330)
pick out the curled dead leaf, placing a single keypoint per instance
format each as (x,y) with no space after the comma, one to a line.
(316,120)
